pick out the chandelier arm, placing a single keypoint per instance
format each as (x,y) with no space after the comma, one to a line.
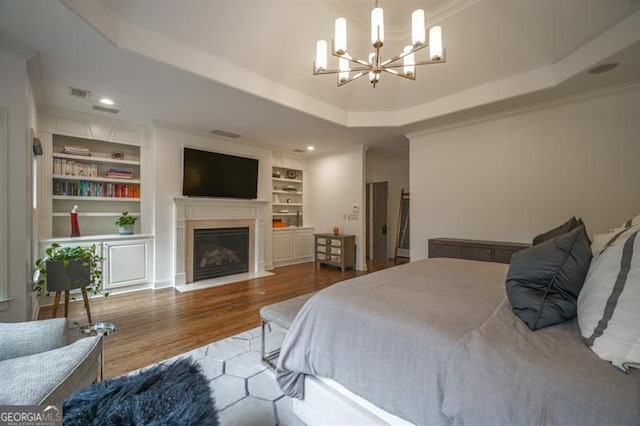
(403,54)
(337,71)
(351,59)
(352,78)
(397,74)
(423,62)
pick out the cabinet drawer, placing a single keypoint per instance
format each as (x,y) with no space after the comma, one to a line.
(321,249)
(443,250)
(503,256)
(336,250)
(330,242)
(475,253)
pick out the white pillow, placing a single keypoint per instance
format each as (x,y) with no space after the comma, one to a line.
(611,237)
(609,302)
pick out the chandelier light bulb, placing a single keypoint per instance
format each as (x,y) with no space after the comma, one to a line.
(340,39)
(409,61)
(417,27)
(343,64)
(377,27)
(321,55)
(435,43)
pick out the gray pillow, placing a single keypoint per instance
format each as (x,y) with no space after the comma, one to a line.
(544,281)
(569,225)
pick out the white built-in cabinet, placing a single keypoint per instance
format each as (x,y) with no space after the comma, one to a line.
(126,258)
(127,262)
(65,180)
(292,245)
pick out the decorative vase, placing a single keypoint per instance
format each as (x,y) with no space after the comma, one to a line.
(336,230)
(125,230)
(75,227)
(75,275)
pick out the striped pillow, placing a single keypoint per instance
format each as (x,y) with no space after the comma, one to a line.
(609,303)
(611,237)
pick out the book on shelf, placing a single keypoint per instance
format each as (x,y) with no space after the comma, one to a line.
(62,166)
(85,188)
(119,174)
(76,150)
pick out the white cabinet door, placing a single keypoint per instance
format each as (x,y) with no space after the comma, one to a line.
(282,247)
(303,245)
(126,262)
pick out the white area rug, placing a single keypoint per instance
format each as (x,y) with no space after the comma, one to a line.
(244,389)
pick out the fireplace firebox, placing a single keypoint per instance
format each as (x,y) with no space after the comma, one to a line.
(219,252)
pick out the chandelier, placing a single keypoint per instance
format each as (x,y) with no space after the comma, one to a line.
(351,69)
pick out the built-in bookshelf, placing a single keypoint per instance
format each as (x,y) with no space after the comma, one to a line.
(287,196)
(102,178)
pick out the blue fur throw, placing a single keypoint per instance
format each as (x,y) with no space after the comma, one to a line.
(175,394)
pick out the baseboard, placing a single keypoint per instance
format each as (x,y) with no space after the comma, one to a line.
(163,283)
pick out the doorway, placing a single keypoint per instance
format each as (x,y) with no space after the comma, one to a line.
(377,208)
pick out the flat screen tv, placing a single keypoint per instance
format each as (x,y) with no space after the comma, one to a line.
(211,174)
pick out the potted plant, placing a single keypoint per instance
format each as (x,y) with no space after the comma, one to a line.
(68,268)
(125,223)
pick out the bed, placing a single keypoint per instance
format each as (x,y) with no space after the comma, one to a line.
(436,342)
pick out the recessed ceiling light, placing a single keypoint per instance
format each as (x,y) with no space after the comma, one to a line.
(310,148)
(106,101)
(599,69)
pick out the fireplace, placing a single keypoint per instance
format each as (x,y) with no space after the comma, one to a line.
(218,252)
(194,214)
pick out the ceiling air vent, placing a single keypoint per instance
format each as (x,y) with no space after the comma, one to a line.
(299,150)
(105,109)
(79,93)
(225,134)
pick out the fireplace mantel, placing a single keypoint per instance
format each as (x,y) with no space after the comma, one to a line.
(188,211)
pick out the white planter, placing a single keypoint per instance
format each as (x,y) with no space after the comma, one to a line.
(125,230)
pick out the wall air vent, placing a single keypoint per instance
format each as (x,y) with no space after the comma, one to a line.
(105,109)
(79,93)
(225,134)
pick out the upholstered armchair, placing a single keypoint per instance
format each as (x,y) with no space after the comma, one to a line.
(38,366)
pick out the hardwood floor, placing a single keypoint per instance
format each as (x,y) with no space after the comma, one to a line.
(152,325)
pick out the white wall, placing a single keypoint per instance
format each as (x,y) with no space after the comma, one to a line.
(16,249)
(167,159)
(511,177)
(335,184)
(395,171)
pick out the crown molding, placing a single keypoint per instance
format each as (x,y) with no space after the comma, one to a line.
(580,97)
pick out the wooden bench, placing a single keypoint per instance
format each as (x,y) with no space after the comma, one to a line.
(282,314)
